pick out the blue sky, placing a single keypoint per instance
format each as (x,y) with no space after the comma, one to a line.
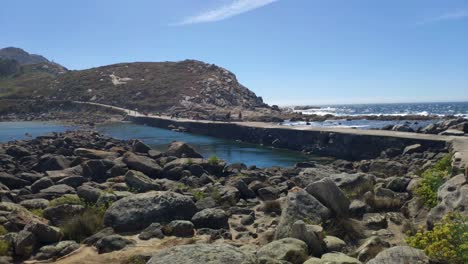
(288,51)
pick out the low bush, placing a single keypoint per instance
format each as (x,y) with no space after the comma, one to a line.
(447,242)
(3,230)
(213,160)
(67,199)
(37,212)
(4,248)
(85,224)
(432,179)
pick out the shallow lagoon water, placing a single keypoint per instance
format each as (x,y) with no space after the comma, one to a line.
(158,138)
(10,131)
(229,150)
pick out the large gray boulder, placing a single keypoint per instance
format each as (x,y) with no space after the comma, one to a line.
(211,218)
(300,205)
(138,211)
(95,154)
(400,254)
(287,249)
(182,150)
(307,234)
(331,196)
(140,182)
(452,195)
(202,253)
(334,258)
(97,170)
(57,250)
(144,164)
(354,184)
(44,233)
(112,243)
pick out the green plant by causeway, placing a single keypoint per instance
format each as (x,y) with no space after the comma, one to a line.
(432,179)
(213,160)
(447,242)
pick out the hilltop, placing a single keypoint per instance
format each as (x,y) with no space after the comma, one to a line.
(188,88)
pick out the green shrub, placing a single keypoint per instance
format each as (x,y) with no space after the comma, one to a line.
(189,161)
(213,160)
(37,212)
(447,242)
(4,248)
(3,230)
(432,179)
(198,195)
(67,199)
(85,224)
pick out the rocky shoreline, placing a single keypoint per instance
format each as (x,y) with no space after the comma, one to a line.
(81,197)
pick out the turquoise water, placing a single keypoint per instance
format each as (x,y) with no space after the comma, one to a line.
(17,130)
(228,150)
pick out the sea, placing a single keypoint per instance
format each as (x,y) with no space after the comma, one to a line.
(456,109)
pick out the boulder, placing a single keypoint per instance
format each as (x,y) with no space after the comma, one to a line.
(140,182)
(152,231)
(334,258)
(112,243)
(51,162)
(139,146)
(58,214)
(57,190)
(331,196)
(307,234)
(17,151)
(88,193)
(354,184)
(35,203)
(387,168)
(92,240)
(300,205)
(138,211)
(95,154)
(73,181)
(44,233)
(413,149)
(334,244)
(182,150)
(25,243)
(143,164)
(383,198)
(287,249)
(179,228)
(370,248)
(12,181)
(211,218)
(451,196)
(97,169)
(202,253)
(40,184)
(57,250)
(400,254)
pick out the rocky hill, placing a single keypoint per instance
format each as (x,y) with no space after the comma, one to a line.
(187,87)
(21,56)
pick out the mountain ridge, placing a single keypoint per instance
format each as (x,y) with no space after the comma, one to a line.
(189,88)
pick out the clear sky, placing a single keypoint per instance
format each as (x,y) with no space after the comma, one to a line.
(288,51)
